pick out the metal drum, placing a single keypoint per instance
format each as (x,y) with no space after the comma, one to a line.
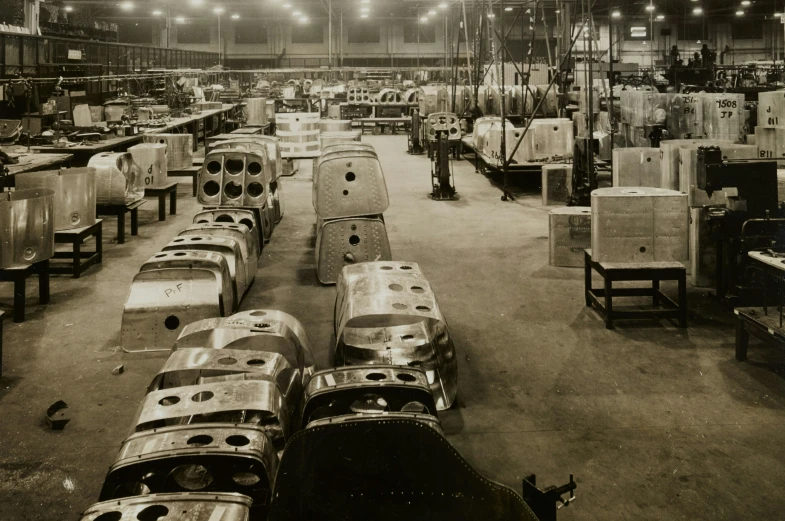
(387,313)
(297,121)
(118,180)
(299,144)
(214,262)
(218,458)
(350,186)
(161,302)
(227,247)
(256,110)
(179,149)
(335,125)
(197,506)
(367,391)
(27,227)
(233,178)
(347,241)
(74,191)
(259,330)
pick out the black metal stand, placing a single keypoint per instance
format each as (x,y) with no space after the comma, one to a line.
(192,172)
(415,137)
(162,192)
(19,277)
(81,261)
(544,503)
(441,175)
(654,272)
(119,210)
(1,343)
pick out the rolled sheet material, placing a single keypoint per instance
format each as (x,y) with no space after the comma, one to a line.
(639,225)
(74,189)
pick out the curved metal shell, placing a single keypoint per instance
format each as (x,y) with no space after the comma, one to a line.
(335,125)
(269,142)
(216,458)
(343,151)
(257,402)
(118,180)
(233,178)
(410,97)
(432,98)
(74,189)
(152,160)
(258,330)
(27,231)
(386,313)
(297,121)
(189,506)
(161,302)
(350,186)
(248,241)
(179,149)
(359,418)
(364,390)
(347,241)
(227,247)
(214,262)
(250,218)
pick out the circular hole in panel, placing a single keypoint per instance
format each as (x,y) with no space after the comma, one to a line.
(254,168)
(555,129)
(200,440)
(202,221)
(171,322)
(169,400)
(233,190)
(376,377)
(424,309)
(453,130)
(255,189)
(178,240)
(234,166)
(152,513)
(262,325)
(202,396)
(405,377)
(109,516)
(369,403)
(398,305)
(227,360)
(255,362)
(643,249)
(191,477)
(407,338)
(353,227)
(245,479)
(386,268)
(346,192)
(247,222)
(395,287)
(237,440)
(354,240)
(406,267)
(224,218)
(257,313)
(417,289)
(160,255)
(414,407)
(350,176)
(214,167)
(211,188)
(648,160)
(180,254)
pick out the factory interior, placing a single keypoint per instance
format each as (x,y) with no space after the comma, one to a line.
(300,196)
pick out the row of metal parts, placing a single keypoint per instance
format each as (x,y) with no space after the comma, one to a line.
(215,420)
(349,196)
(460,99)
(206,270)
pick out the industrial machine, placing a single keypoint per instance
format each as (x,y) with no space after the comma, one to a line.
(750,220)
(415,137)
(441,126)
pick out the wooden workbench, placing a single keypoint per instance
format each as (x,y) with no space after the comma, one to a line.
(201,126)
(31,162)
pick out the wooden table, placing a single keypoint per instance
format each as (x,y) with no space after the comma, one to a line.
(161,192)
(31,163)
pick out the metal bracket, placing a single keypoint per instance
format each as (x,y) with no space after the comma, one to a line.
(545,502)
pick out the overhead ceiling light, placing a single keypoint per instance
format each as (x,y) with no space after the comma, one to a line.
(746,2)
(660,17)
(508,8)
(431,12)
(287,6)
(697,10)
(777,15)
(68,9)
(235,16)
(218,10)
(296,13)
(650,8)
(615,14)
(443,5)
(491,15)
(739,13)
(179,19)
(197,2)
(364,15)
(364,9)
(156,13)
(126,6)
(424,19)
(304,20)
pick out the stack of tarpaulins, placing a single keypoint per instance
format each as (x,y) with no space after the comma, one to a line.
(349,196)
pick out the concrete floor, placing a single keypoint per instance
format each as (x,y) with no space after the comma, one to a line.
(655,422)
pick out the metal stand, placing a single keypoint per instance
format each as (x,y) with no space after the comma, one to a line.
(544,503)
(415,139)
(19,277)
(81,261)
(441,175)
(119,210)
(161,192)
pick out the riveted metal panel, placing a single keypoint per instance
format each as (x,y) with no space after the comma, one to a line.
(226,246)
(233,178)
(341,242)
(191,506)
(350,186)
(248,241)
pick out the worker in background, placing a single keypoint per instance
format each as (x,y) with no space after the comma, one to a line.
(723,53)
(706,56)
(675,56)
(696,59)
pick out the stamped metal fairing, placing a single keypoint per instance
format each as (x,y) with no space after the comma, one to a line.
(257,402)
(216,458)
(74,190)
(198,366)
(350,186)
(387,313)
(443,121)
(373,391)
(343,242)
(269,142)
(249,217)
(248,241)
(214,262)
(231,177)
(162,301)
(226,246)
(189,506)
(27,227)
(260,330)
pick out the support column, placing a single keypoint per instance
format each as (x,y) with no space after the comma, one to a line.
(32,10)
